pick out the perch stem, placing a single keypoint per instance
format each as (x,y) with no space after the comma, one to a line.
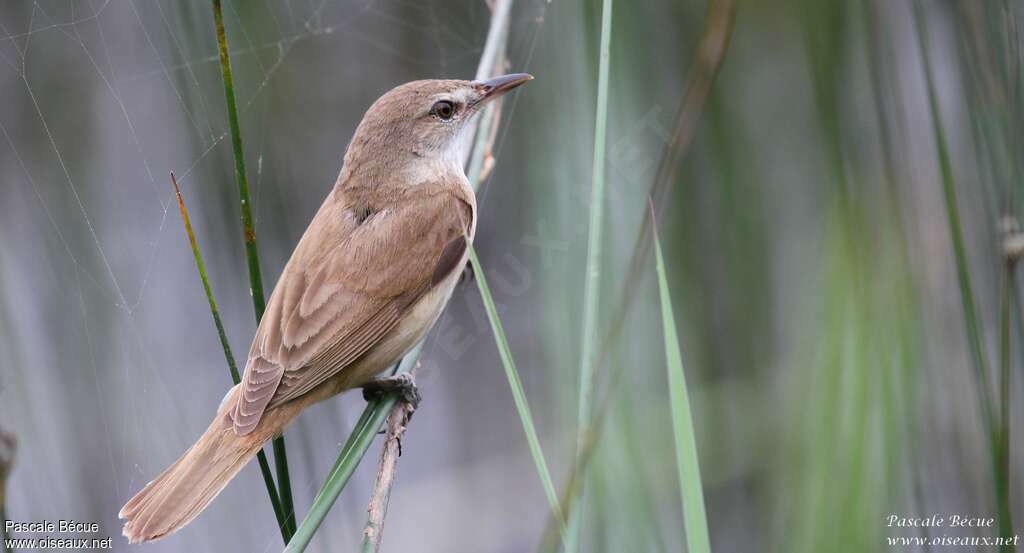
(398,420)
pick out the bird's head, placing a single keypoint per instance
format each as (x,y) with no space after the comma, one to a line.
(419,126)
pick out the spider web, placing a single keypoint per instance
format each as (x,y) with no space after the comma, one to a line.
(154,85)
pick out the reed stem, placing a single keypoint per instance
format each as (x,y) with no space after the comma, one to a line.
(261,456)
(972,324)
(251,250)
(397,421)
(3,531)
(1006,294)
(592,277)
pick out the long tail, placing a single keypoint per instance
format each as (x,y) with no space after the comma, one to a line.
(185,488)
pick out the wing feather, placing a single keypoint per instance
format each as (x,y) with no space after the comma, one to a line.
(345,287)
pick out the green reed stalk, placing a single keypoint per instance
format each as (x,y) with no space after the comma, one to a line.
(972,323)
(1006,294)
(518,394)
(592,278)
(251,250)
(691,490)
(268,478)
(3,528)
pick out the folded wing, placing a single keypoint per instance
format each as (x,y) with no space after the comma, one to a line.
(350,280)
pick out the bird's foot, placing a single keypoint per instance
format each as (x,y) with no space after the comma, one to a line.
(467,273)
(403,384)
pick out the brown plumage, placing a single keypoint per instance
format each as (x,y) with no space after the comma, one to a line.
(367,280)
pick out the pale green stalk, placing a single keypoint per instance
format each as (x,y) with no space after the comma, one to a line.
(251,250)
(518,394)
(592,279)
(268,478)
(690,489)
(972,322)
(3,528)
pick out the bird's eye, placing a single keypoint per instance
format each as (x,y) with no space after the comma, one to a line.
(444,109)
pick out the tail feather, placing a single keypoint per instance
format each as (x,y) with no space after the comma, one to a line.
(184,489)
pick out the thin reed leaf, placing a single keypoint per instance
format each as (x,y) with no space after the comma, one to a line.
(714,44)
(251,250)
(201,267)
(3,531)
(972,323)
(691,490)
(481,149)
(475,173)
(518,394)
(885,87)
(592,278)
(994,107)
(8,445)
(268,478)
(1006,294)
(248,228)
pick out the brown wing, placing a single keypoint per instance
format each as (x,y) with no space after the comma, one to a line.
(348,283)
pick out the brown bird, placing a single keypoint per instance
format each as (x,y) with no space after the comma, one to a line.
(368,279)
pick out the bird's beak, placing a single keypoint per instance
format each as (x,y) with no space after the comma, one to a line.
(492,88)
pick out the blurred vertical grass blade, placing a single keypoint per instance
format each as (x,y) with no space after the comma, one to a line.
(8,448)
(518,394)
(825,28)
(714,43)
(831,467)
(691,489)
(971,320)
(268,478)
(481,149)
(1003,486)
(592,278)
(885,87)
(3,531)
(251,251)
(372,418)
(994,105)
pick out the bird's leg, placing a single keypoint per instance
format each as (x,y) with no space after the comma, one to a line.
(401,383)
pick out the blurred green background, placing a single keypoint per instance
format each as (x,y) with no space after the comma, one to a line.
(808,236)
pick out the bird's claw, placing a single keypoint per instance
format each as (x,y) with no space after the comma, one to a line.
(403,384)
(467,273)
